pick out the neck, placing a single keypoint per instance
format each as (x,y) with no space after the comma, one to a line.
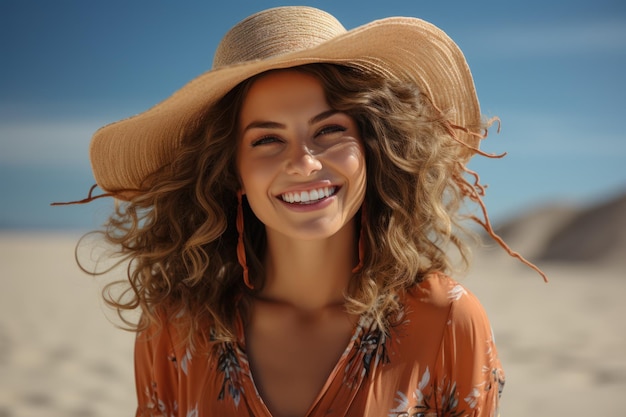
(309,275)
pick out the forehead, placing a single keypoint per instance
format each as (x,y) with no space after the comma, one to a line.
(283,76)
(284,91)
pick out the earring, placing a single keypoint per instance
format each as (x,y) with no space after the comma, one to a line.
(241,249)
(361,244)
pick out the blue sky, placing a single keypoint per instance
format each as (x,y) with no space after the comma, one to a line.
(553,71)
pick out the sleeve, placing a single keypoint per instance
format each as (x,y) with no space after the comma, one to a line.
(470,374)
(156,378)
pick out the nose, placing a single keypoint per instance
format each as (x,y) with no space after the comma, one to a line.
(302,161)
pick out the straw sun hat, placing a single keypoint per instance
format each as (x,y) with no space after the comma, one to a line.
(124,153)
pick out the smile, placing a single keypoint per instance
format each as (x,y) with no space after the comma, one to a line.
(308,197)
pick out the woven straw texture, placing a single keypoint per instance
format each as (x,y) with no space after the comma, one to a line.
(124,153)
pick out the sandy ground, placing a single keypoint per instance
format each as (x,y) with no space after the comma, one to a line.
(563,344)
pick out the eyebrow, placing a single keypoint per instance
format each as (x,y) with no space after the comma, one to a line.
(264,124)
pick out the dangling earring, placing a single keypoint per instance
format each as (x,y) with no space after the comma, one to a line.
(361,244)
(241,249)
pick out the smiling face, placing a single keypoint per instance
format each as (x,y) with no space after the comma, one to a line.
(301,163)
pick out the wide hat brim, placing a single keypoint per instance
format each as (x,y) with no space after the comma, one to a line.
(124,153)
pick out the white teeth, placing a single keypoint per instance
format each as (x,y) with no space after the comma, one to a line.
(308,197)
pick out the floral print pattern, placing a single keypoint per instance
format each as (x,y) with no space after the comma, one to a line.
(370,346)
(229,367)
(438,360)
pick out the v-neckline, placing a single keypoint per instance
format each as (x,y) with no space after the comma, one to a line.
(259,407)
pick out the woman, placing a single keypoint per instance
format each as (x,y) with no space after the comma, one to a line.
(287,219)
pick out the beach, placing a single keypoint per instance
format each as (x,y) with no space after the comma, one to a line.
(562,344)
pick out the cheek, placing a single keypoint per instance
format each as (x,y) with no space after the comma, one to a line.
(351,161)
(249,171)
(254,177)
(359,171)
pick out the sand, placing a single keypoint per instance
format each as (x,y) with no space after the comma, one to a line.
(563,344)
(59,355)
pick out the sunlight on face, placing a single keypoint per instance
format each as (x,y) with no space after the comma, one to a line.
(301,163)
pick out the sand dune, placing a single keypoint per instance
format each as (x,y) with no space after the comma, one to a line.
(594,235)
(556,233)
(563,344)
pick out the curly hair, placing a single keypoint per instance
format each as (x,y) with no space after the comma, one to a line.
(180,235)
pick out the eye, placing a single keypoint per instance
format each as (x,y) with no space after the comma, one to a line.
(265,140)
(327,130)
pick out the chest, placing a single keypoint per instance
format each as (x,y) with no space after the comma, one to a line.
(292,359)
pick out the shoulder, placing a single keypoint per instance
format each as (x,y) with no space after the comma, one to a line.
(166,348)
(157,339)
(438,290)
(451,310)
(166,334)
(441,301)
(446,336)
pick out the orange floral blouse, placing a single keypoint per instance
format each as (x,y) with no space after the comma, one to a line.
(438,360)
